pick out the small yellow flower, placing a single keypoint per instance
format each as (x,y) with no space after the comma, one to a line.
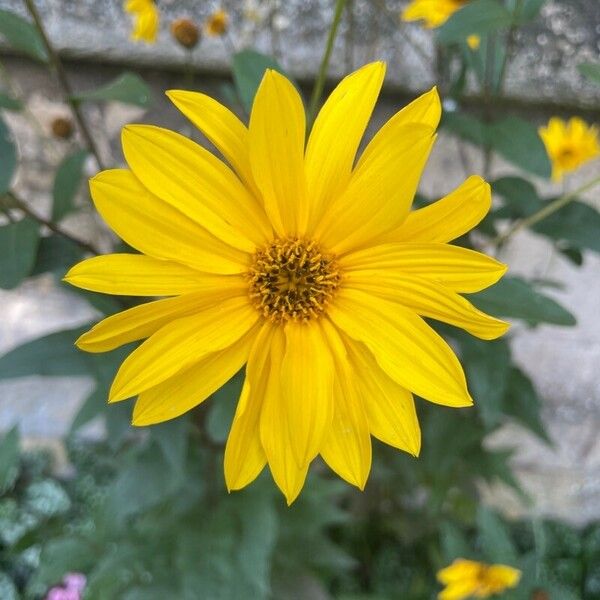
(569,144)
(469,579)
(298,262)
(435,13)
(217,23)
(146,20)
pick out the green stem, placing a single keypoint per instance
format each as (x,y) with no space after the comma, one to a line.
(322,75)
(16,202)
(545,212)
(64,82)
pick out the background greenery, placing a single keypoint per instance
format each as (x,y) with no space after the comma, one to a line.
(145,514)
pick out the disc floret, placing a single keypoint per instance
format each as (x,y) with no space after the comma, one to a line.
(292,280)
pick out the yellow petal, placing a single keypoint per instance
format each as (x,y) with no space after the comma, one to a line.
(389,407)
(135,275)
(142,321)
(197,183)
(448,218)
(347,447)
(380,191)
(459,590)
(307,386)
(405,347)
(427,298)
(221,127)
(244,454)
(425,110)
(458,269)
(335,137)
(461,569)
(277,131)
(275,427)
(503,575)
(155,228)
(182,392)
(182,343)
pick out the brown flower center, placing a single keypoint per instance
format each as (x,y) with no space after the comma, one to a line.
(292,280)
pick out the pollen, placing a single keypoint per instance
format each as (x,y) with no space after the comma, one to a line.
(293,280)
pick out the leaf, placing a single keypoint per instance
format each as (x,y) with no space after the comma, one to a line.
(527,10)
(128,87)
(477,17)
(51,355)
(8,157)
(222,408)
(95,404)
(22,35)
(577,223)
(9,459)
(67,182)
(453,542)
(520,197)
(466,127)
(523,403)
(515,298)
(18,248)
(248,68)
(591,71)
(172,439)
(495,539)
(518,142)
(55,254)
(9,103)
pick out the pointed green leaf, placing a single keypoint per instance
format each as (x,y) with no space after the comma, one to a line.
(8,157)
(129,88)
(67,183)
(9,103)
(477,17)
(18,249)
(22,35)
(9,459)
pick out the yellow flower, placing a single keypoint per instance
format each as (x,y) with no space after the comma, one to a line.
(569,144)
(146,20)
(292,261)
(435,13)
(470,579)
(217,23)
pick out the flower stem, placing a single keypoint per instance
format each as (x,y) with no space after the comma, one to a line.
(64,82)
(545,212)
(16,202)
(320,81)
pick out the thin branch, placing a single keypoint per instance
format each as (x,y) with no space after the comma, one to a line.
(16,202)
(322,75)
(64,82)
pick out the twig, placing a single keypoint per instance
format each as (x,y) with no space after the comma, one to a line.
(64,82)
(545,212)
(322,75)
(22,206)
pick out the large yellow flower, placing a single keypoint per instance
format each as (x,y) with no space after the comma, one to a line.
(469,579)
(296,262)
(434,13)
(146,17)
(569,144)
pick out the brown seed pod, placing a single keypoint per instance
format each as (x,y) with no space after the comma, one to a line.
(186,33)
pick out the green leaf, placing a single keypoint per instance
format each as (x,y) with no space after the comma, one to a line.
(518,142)
(52,355)
(523,403)
(95,404)
(8,157)
(8,591)
(516,298)
(9,103)
(67,182)
(520,197)
(172,439)
(222,408)
(495,538)
(466,127)
(591,71)
(22,35)
(453,542)
(577,223)
(129,88)
(477,17)
(9,459)
(55,254)
(248,68)
(18,249)
(527,10)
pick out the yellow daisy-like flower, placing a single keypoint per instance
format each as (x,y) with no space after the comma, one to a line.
(569,144)
(146,20)
(296,262)
(435,13)
(470,579)
(217,23)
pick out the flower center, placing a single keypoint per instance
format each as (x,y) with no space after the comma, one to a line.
(292,280)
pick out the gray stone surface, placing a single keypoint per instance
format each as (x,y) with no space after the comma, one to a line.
(564,480)
(548,50)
